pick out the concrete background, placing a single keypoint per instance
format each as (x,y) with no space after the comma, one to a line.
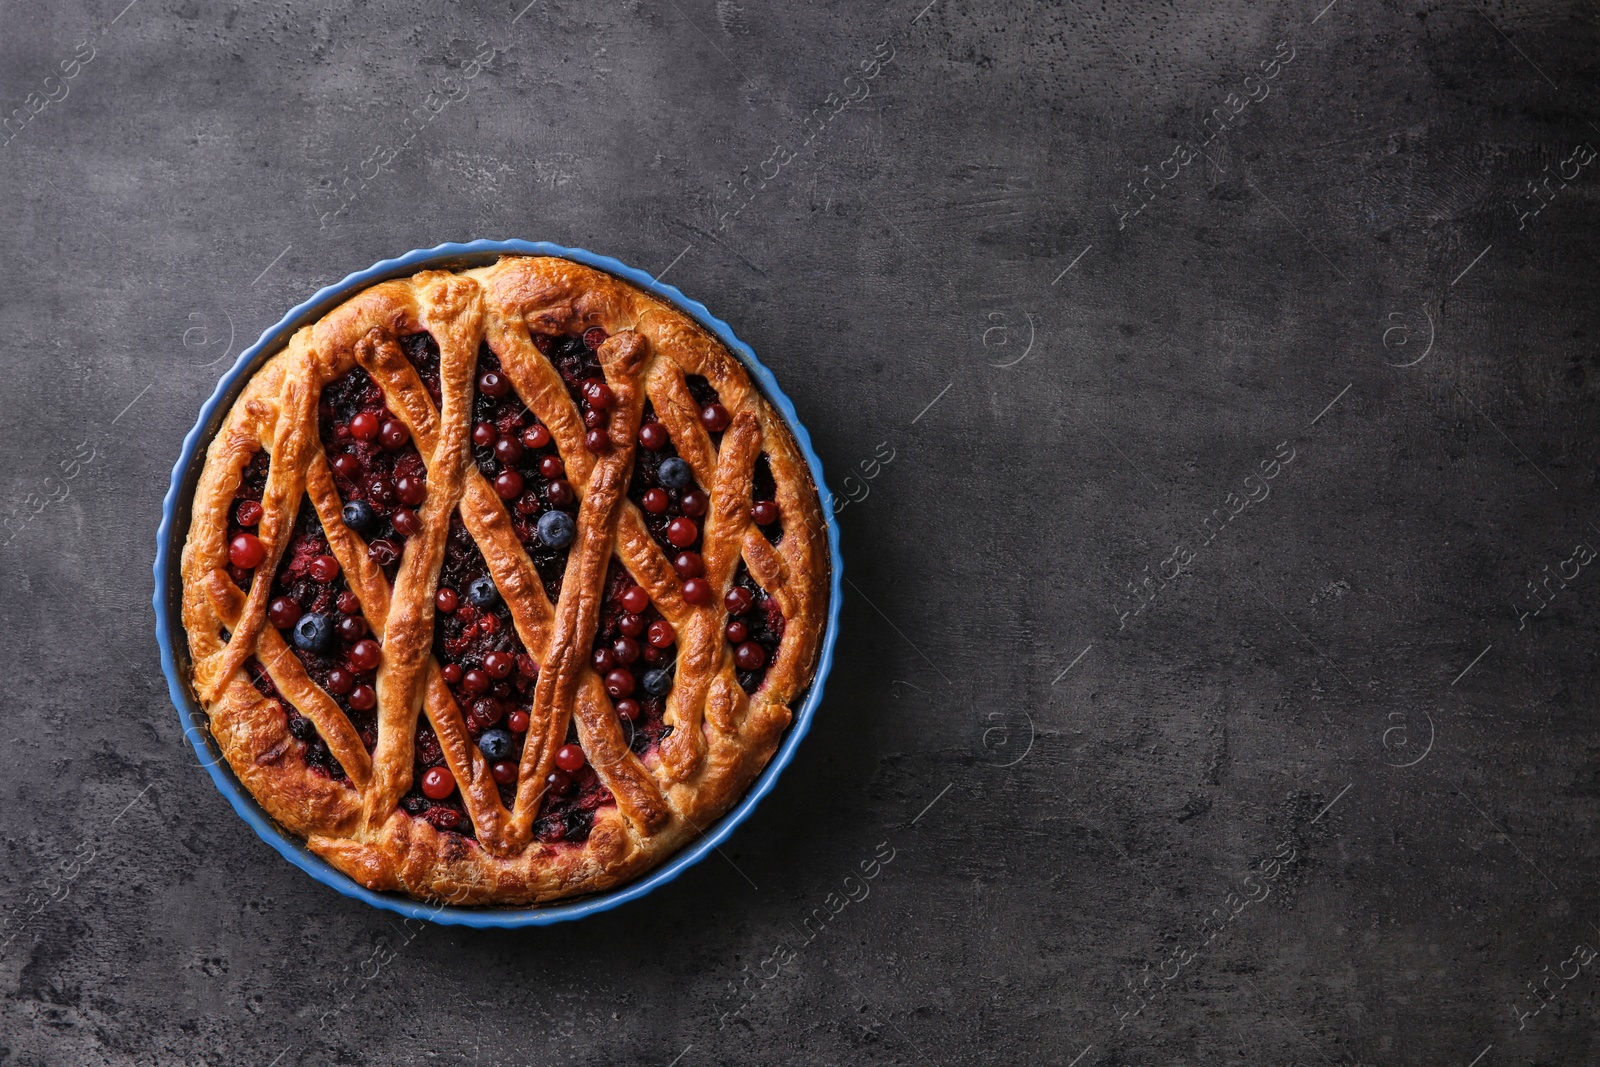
(1326,798)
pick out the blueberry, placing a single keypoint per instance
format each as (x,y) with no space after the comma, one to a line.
(674,473)
(556,529)
(303,729)
(313,633)
(359,516)
(657,682)
(496,744)
(482,593)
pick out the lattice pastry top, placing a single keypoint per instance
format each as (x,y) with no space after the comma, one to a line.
(500,583)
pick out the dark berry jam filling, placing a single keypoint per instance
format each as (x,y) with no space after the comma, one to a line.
(448,814)
(518,456)
(379,472)
(484,661)
(244,514)
(764,500)
(675,507)
(423,353)
(573,794)
(713,416)
(321,620)
(576,359)
(754,632)
(631,642)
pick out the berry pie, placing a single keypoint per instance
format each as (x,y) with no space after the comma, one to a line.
(501,583)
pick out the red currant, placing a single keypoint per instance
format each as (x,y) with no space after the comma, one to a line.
(484,435)
(499,664)
(393,434)
(764,512)
(475,682)
(406,522)
(635,599)
(656,501)
(283,613)
(653,435)
(347,466)
(488,623)
(689,565)
(536,436)
(603,659)
(560,493)
(558,783)
(597,442)
(364,427)
(437,783)
(246,551)
(362,698)
(750,656)
(446,599)
(630,624)
(738,600)
(619,684)
(486,711)
(594,337)
(570,758)
(694,503)
(508,484)
(508,450)
(593,419)
(550,466)
(249,513)
(352,628)
(493,383)
(410,489)
(451,673)
(653,655)
(323,568)
(365,655)
(697,591)
(737,632)
(348,603)
(682,532)
(661,634)
(626,649)
(517,722)
(628,709)
(715,417)
(340,682)
(505,772)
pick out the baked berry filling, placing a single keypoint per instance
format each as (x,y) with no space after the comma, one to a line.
(755,628)
(322,622)
(423,353)
(764,501)
(674,505)
(713,416)
(573,794)
(245,551)
(483,660)
(514,450)
(379,472)
(576,359)
(433,795)
(634,653)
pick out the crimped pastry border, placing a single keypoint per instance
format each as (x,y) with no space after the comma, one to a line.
(660,808)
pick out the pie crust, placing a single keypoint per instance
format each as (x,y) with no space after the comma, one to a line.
(655,796)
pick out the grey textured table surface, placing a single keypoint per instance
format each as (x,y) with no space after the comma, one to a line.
(1185,751)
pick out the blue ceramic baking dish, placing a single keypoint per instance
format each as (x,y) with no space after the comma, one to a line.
(175,527)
